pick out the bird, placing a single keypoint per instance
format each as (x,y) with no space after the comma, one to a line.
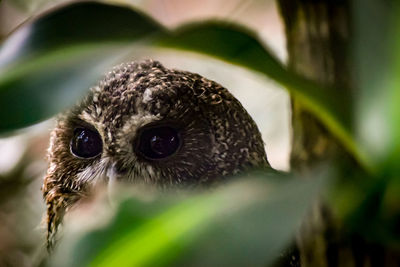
(145,123)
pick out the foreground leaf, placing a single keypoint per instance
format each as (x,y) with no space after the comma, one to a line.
(377,64)
(41,88)
(47,65)
(246,223)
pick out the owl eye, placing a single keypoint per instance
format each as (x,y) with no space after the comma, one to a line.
(158,142)
(86,143)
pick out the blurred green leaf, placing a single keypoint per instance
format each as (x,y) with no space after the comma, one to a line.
(375,212)
(245,223)
(393,96)
(377,64)
(98,24)
(29,96)
(47,65)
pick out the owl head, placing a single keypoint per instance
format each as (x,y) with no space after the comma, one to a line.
(144,123)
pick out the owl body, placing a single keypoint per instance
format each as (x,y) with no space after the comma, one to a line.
(144,123)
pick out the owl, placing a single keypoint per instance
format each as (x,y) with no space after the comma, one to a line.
(144,123)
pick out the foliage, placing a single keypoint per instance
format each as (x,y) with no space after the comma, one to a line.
(247,222)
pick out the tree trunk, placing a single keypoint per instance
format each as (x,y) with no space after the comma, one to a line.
(318,37)
(318,42)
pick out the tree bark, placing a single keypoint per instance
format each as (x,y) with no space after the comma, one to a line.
(318,36)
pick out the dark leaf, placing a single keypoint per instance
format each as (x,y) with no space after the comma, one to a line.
(47,65)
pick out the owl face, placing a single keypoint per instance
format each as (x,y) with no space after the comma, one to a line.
(148,124)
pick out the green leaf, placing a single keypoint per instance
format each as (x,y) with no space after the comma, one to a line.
(246,223)
(41,88)
(47,65)
(377,62)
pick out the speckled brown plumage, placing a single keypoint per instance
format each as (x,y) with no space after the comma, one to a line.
(219,138)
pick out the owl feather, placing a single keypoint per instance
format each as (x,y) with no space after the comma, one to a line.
(144,123)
